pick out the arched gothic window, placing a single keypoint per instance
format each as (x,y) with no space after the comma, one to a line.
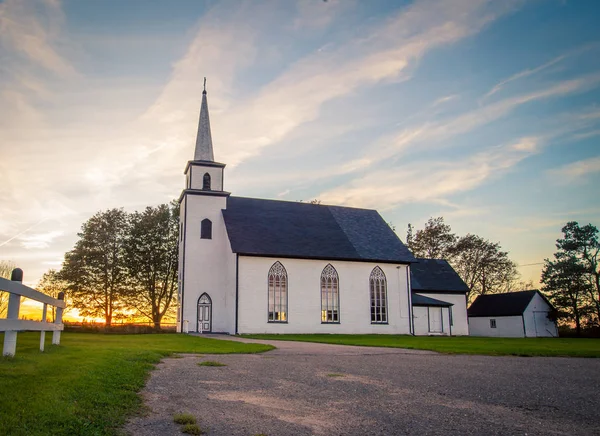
(330,295)
(378,287)
(278,296)
(206,229)
(206,182)
(204,299)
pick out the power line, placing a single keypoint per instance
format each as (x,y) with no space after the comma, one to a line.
(531,264)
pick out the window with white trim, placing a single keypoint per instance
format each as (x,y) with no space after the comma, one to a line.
(378,291)
(278,296)
(330,295)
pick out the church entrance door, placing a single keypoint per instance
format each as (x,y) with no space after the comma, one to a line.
(204,314)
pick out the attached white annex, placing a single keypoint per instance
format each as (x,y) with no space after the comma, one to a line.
(250,265)
(513,315)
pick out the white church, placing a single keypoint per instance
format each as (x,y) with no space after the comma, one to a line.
(249,265)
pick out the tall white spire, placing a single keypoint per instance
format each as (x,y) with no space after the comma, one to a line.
(204,148)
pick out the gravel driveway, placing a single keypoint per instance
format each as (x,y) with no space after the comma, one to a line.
(320,389)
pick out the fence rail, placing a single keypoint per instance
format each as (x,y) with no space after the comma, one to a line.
(12,324)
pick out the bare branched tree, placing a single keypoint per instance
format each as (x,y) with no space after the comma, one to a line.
(6,268)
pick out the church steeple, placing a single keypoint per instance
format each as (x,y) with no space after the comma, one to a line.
(204,148)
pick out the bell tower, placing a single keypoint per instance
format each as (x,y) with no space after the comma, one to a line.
(205,257)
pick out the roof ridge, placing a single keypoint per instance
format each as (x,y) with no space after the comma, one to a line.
(509,293)
(302,202)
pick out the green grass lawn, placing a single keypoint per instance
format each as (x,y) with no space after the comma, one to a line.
(573,347)
(89,384)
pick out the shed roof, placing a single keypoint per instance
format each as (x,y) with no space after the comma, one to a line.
(509,304)
(421,300)
(311,231)
(436,275)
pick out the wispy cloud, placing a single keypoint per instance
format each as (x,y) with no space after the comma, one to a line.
(22,232)
(40,240)
(382,52)
(438,133)
(522,74)
(576,170)
(427,181)
(443,100)
(586,135)
(532,71)
(34,36)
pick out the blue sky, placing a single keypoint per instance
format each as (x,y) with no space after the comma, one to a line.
(484,112)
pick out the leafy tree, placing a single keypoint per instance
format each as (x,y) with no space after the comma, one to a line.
(52,284)
(483,266)
(6,268)
(152,259)
(582,243)
(435,241)
(565,284)
(95,269)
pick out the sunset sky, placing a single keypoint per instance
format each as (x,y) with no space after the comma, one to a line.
(486,113)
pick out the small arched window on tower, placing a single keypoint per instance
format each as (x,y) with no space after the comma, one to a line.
(206,182)
(206,229)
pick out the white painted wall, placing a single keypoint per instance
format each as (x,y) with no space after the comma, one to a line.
(533,323)
(209,263)
(460,324)
(423,317)
(506,326)
(195,177)
(537,323)
(304,297)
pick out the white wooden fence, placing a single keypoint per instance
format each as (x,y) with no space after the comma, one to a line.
(12,324)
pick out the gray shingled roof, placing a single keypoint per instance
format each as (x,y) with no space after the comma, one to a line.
(421,300)
(311,231)
(435,275)
(509,304)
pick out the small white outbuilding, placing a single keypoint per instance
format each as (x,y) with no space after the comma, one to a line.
(512,315)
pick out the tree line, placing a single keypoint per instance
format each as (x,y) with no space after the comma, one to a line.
(482,264)
(123,264)
(571,280)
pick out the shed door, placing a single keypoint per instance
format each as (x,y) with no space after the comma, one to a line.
(435,319)
(542,324)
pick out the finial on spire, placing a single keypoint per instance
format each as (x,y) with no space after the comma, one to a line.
(204,148)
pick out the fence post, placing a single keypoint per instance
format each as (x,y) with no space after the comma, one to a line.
(58,320)
(14,304)
(43,333)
